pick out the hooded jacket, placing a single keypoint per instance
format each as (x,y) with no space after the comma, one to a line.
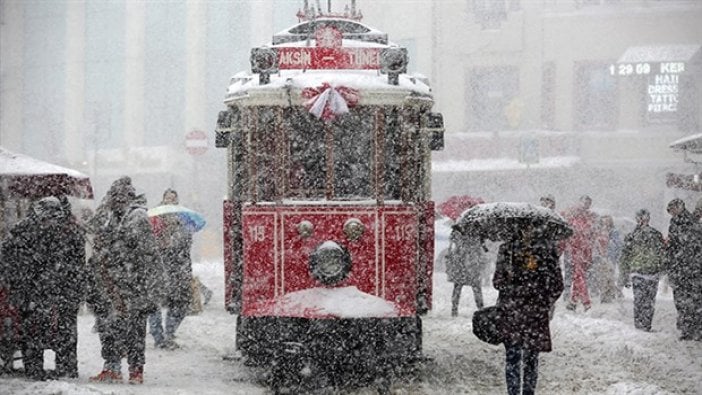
(126,265)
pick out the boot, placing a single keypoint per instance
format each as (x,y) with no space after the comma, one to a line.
(136,375)
(107,376)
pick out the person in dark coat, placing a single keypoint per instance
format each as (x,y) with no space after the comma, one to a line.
(125,266)
(641,263)
(684,267)
(46,256)
(529,281)
(174,241)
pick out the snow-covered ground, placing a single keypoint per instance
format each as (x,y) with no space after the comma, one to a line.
(597,352)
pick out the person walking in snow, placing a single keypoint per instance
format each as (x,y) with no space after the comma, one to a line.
(684,267)
(126,268)
(465,262)
(529,281)
(174,241)
(608,247)
(45,257)
(640,266)
(578,249)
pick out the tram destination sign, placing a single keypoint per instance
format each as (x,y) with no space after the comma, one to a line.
(663,89)
(328,58)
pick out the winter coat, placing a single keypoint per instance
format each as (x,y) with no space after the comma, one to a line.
(529,282)
(643,253)
(126,267)
(684,252)
(174,241)
(45,258)
(580,246)
(465,260)
(614,247)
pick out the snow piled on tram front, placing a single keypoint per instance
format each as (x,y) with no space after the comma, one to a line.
(342,302)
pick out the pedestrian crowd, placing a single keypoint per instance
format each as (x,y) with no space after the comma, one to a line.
(533,271)
(134,267)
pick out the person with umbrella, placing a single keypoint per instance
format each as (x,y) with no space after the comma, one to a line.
(527,278)
(529,281)
(174,239)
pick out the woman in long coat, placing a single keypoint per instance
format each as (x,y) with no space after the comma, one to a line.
(465,262)
(174,242)
(529,281)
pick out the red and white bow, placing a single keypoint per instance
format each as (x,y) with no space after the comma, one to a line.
(326,101)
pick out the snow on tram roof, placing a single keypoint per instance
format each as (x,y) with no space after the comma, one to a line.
(246,83)
(358,79)
(347,43)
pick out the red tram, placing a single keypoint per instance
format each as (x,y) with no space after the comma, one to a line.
(328,220)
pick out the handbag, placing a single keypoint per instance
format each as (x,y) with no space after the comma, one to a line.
(487,325)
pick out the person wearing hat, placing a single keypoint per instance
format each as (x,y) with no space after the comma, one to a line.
(126,269)
(684,267)
(640,266)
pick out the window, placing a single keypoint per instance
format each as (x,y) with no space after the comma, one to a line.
(548,95)
(306,167)
(353,150)
(596,97)
(491,90)
(490,13)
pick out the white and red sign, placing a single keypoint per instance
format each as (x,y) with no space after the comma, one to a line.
(196,142)
(328,54)
(313,58)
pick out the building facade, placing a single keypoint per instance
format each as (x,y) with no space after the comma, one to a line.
(568,97)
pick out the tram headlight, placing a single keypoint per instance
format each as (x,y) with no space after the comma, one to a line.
(354,228)
(264,60)
(393,60)
(330,263)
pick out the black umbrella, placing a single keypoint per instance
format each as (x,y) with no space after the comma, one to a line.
(503,221)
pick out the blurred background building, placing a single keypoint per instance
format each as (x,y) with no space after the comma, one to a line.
(567,97)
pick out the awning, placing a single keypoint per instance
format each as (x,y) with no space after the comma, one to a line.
(660,53)
(24,176)
(692,144)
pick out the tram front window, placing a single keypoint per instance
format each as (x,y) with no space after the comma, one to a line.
(352,155)
(306,166)
(351,149)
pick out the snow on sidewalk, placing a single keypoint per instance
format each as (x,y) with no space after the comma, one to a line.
(597,352)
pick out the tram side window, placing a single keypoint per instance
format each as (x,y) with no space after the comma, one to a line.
(353,152)
(306,165)
(393,149)
(265,156)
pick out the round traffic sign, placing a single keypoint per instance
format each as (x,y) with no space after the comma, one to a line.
(196,142)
